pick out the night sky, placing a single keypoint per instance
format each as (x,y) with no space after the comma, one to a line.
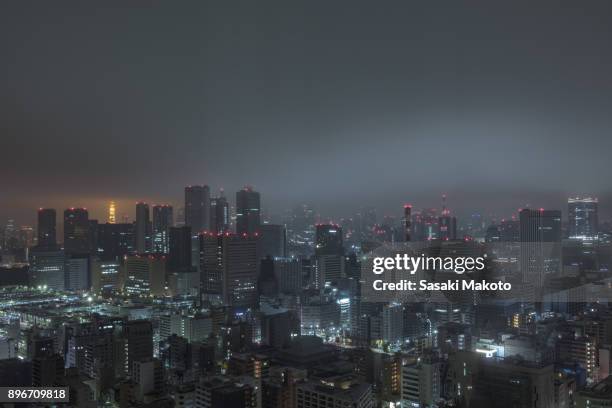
(340,104)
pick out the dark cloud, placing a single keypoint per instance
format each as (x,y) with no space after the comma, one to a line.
(338,103)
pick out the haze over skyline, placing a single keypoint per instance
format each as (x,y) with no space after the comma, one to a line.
(340,105)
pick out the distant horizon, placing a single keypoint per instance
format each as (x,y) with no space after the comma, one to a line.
(337,106)
(98,207)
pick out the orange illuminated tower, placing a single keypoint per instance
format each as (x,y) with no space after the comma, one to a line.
(111,213)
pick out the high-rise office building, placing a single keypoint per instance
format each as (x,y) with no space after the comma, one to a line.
(289,275)
(501,382)
(328,240)
(105,275)
(180,256)
(47,267)
(219,214)
(248,211)
(143,228)
(583,218)
(76,231)
(47,228)
(115,241)
(162,221)
(328,269)
(540,234)
(267,283)
(197,208)
(273,240)
(77,276)
(138,343)
(145,275)
(229,266)
(392,327)
(421,383)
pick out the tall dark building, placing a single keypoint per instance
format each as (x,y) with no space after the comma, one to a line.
(197,208)
(273,240)
(540,233)
(407,222)
(76,231)
(162,221)
(267,284)
(93,236)
(248,211)
(143,228)
(138,340)
(115,241)
(583,220)
(219,214)
(328,240)
(540,225)
(47,228)
(180,249)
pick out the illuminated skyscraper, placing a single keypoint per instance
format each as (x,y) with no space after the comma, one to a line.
(143,228)
(583,218)
(248,210)
(111,213)
(145,275)
(229,265)
(46,228)
(76,231)
(197,208)
(162,221)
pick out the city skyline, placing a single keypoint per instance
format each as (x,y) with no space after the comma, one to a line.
(306,204)
(127,210)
